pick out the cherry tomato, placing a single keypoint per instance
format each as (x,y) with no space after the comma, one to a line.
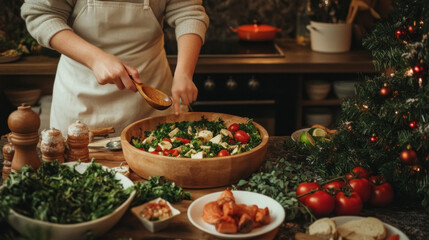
(223,153)
(158,149)
(320,203)
(231,141)
(167,140)
(234,127)
(336,185)
(173,152)
(393,237)
(306,187)
(360,172)
(349,176)
(382,195)
(377,180)
(347,204)
(362,187)
(142,149)
(183,140)
(242,136)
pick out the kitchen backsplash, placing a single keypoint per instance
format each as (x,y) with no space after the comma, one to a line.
(226,13)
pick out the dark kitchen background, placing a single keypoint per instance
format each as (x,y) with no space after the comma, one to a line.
(269,98)
(226,13)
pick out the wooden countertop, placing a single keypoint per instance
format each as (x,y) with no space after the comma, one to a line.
(404,213)
(297,59)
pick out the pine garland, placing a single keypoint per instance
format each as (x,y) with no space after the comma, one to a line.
(374,128)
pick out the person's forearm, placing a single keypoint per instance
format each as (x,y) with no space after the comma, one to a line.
(73,46)
(189,46)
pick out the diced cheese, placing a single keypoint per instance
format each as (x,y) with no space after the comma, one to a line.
(165,145)
(226,132)
(192,151)
(198,155)
(205,147)
(234,151)
(206,135)
(180,148)
(149,139)
(151,149)
(217,139)
(172,133)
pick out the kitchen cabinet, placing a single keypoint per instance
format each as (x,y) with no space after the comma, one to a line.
(284,75)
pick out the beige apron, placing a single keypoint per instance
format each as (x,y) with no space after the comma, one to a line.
(129,31)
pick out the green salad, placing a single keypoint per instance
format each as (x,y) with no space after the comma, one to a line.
(199,139)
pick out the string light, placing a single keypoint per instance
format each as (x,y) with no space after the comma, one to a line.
(420,82)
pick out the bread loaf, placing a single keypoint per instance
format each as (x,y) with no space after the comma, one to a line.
(369,228)
(324,228)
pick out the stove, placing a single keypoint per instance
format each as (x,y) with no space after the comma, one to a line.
(236,49)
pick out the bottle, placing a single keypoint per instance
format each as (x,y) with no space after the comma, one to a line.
(24,124)
(303,19)
(8,152)
(52,145)
(77,141)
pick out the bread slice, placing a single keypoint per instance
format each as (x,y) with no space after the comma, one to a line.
(369,228)
(324,228)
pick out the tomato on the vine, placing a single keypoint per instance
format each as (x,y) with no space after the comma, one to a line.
(306,187)
(320,203)
(234,127)
(382,195)
(360,172)
(347,204)
(242,136)
(336,185)
(223,153)
(362,187)
(377,180)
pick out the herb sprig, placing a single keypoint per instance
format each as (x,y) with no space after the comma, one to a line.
(279,181)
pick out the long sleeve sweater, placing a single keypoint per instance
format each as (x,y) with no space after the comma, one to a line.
(45,18)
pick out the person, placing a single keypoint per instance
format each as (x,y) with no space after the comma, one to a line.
(105,45)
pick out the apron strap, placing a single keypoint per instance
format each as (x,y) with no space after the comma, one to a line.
(146,4)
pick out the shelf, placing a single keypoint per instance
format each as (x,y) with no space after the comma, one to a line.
(324,102)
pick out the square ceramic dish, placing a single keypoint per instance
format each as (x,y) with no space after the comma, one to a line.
(154,226)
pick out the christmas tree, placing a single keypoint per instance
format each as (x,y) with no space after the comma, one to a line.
(385,127)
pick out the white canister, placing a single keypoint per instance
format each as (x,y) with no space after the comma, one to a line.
(330,37)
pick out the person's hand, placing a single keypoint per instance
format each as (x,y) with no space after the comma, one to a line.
(109,69)
(183,88)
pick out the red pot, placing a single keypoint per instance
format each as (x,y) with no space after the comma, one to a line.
(256,32)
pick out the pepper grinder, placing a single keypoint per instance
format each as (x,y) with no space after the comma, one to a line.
(24,124)
(78,140)
(52,145)
(8,152)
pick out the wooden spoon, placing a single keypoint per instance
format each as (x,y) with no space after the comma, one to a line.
(154,97)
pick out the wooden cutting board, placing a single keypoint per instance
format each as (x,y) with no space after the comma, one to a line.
(179,228)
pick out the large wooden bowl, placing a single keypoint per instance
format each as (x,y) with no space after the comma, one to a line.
(187,172)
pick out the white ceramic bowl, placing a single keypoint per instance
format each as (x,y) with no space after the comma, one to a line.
(344,89)
(20,96)
(330,37)
(318,116)
(46,230)
(317,90)
(154,226)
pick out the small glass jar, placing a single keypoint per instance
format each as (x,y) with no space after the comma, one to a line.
(303,19)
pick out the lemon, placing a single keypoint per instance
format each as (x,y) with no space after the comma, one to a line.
(317,132)
(307,139)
